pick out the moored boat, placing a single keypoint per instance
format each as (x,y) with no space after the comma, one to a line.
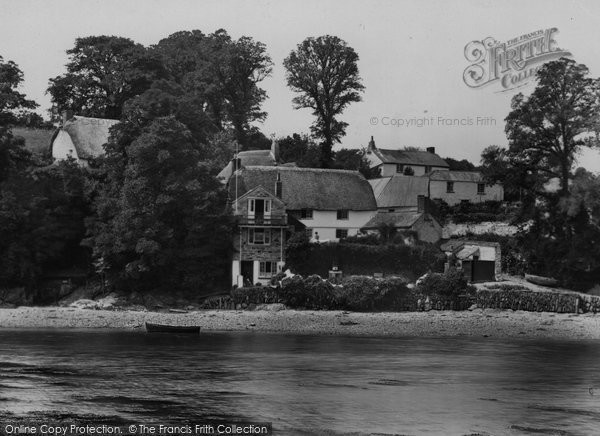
(166,328)
(542,281)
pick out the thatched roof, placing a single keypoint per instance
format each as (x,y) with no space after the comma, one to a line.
(36,140)
(88,135)
(401,220)
(249,158)
(399,190)
(309,188)
(404,157)
(457,176)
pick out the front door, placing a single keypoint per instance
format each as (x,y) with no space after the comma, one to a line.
(248,272)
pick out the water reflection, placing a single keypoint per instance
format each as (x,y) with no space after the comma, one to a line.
(307,385)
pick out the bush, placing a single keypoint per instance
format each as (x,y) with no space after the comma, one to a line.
(368,294)
(320,294)
(450,284)
(361,259)
(255,295)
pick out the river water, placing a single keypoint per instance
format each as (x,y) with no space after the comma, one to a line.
(307,385)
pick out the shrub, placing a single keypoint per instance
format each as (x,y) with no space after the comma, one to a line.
(363,259)
(450,284)
(320,293)
(255,295)
(368,294)
(293,292)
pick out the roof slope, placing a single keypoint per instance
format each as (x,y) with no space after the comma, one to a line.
(399,191)
(397,219)
(249,158)
(410,157)
(89,135)
(457,176)
(309,188)
(36,140)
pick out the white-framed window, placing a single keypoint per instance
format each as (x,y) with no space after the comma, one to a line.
(481,188)
(267,270)
(399,168)
(449,187)
(259,236)
(342,214)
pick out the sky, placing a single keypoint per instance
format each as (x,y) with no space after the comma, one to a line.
(411,56)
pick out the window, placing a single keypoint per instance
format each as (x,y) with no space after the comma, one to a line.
(427,169)
(267,269)
(342,214)
(309,233)
(399,168)
(259,236)
(306,214)
(481,188)
(341,233)
(449,186)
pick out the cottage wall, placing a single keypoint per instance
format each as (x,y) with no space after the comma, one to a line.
(464,191)
(325,222)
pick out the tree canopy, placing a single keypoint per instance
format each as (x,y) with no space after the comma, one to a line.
(324,71)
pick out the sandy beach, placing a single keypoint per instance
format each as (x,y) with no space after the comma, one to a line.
(490,323)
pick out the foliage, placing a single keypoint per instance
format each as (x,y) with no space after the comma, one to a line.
(159,215)
(103,72)
(324,72)
(450,284)
(303,257)
(301,150)
(367,294)
(256,295)
(513,249)
(459,165)
(355,160)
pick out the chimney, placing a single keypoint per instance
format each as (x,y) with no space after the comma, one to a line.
(431,150)
(421,200)
(371,146)
(67,115)
(275,150)
(278,186)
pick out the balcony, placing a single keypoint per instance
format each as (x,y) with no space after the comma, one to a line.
(262,221)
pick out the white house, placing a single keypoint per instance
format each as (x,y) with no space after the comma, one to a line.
(331,204)
(393,162)
(454,187)
(81,138)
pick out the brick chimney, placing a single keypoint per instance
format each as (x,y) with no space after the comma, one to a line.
(66,116)
(278,186)
(371,146)
(421,204)
(275,150)
(431,150)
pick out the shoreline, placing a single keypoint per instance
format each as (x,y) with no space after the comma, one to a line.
(477,323)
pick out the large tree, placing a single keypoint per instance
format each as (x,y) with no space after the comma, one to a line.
(324,71)
(103,72)
(549,128)
(223,73)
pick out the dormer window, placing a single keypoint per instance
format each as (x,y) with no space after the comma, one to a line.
(306,214)
(342,214)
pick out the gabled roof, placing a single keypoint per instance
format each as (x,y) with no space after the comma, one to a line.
(88,135)
(399,190)
(36,140)
(402,220)
(410,157)
(457,176)
(249,158)
(308,188)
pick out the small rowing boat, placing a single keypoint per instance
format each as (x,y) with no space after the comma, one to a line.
(165,328)
(542,281)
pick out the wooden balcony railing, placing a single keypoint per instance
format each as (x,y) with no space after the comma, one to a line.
(263,221)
